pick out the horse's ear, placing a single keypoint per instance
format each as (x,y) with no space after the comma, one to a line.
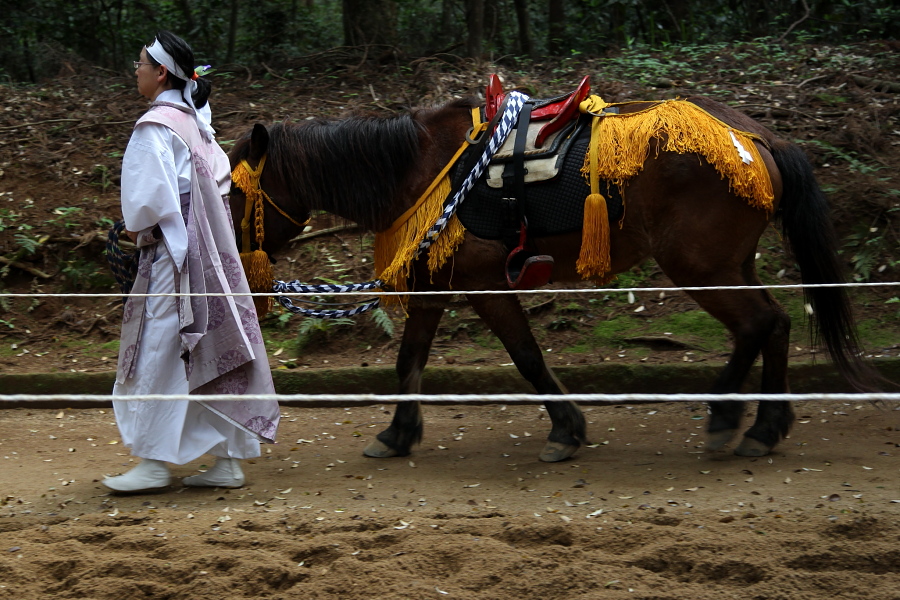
(259,141)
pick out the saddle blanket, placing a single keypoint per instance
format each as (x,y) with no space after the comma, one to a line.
(552,207)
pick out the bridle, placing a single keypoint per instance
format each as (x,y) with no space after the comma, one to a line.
(247,179)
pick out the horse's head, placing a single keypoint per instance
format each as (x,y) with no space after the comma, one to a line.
(261,203)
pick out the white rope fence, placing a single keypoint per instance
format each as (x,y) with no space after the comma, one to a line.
(464,398)
(473,398)
(484,292)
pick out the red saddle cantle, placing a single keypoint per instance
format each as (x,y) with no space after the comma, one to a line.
(560,111)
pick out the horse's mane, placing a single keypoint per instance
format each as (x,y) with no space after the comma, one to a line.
(352,167)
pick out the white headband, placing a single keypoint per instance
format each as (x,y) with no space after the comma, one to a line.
(203,115)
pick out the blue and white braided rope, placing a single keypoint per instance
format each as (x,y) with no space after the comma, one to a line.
(296,287)
(514,104)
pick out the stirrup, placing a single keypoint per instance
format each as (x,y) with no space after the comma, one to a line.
(526,271)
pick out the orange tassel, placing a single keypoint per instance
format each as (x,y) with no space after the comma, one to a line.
(593,261)
(259,277)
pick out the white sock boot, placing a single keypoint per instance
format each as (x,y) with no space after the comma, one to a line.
(148,474)
(225,473)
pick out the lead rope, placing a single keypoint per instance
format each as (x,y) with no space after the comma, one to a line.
(514,104)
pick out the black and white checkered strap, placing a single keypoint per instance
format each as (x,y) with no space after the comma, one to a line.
(514,103)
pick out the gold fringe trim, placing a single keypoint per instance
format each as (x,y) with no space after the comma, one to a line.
(396,247)
(620,144)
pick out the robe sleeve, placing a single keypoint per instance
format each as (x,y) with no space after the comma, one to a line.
(150,185)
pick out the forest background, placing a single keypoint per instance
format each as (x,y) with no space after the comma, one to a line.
(36,34)
(824,74)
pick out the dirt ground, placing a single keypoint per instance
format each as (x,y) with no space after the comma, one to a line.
(643,513)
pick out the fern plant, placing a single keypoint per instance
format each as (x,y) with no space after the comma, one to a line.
(383,320)
(311,328)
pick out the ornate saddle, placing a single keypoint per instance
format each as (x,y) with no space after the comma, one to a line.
(560,111)
(535,151)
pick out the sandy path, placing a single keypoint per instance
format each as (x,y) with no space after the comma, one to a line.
(471,514)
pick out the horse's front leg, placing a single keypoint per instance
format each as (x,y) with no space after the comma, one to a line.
(406,427)
(504,315)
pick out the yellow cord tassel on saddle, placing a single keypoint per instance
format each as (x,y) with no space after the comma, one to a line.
(621,143)
(256,264)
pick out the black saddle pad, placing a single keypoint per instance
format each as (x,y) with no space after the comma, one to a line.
(552,207)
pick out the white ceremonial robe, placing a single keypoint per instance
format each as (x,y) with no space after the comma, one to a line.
(156,172)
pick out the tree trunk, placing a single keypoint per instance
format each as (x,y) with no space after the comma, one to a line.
(187,15)
(526,45)
(556,25)
(232,32)
(370,22)
(475,27)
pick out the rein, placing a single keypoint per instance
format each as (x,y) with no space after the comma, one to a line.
(505,120)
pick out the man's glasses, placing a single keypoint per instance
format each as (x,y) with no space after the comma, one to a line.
(138,63)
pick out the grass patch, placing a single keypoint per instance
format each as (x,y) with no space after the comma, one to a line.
(612,333)
(697,327)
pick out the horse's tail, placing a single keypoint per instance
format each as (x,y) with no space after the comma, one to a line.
(810,232)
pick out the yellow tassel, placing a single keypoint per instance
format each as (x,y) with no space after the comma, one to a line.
(259,276)
(593,261)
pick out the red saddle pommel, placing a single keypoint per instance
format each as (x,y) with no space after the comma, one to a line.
(562,111)
(559,112)
(493,97)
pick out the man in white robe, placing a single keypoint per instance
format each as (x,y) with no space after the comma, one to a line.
(175,180)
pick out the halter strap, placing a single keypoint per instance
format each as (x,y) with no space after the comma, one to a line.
(246,178)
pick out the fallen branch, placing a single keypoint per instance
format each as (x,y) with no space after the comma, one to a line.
(24,267)
(775,108)
(11,127)
(312,234)
(879,84)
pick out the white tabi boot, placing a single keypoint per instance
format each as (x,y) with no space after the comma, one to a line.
(147,475)
(225,473)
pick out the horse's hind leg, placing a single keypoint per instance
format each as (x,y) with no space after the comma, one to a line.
(773,418)
(405,429)
(758,324)
(503,314)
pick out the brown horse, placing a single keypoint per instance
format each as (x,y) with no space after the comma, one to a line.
(680,211)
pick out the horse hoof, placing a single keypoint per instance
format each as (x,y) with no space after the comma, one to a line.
(378,449)
(555,452)
(751,447)
(718,439)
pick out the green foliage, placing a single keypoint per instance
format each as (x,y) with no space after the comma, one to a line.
(29,245)
(312,328)
(867,247)
(83,275)
(38,37)
(9,219)
(383,320)
(66,216)
(850,157)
